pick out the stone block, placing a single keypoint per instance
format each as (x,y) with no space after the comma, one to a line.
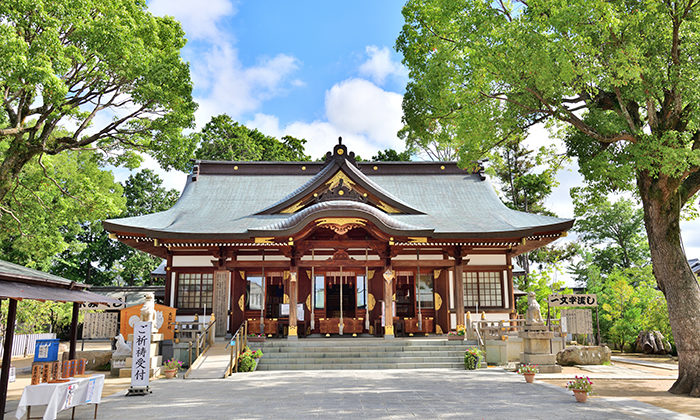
(584,355)
(94,357)
(538,359)
(153,372)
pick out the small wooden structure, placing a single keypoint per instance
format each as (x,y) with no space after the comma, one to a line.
(17,283)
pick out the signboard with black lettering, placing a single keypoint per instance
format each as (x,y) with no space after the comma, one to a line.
(100,325)
(578,321)
(141,354)
(573,300)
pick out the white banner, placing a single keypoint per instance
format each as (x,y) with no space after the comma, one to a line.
(141,354)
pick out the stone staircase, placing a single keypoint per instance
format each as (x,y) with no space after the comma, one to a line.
(361,353)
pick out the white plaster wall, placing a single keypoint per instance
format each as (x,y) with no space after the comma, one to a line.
(192,260)
(486,259)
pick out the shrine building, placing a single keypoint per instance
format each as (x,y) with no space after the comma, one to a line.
(354,244)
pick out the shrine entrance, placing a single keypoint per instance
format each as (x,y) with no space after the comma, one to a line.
(341,296)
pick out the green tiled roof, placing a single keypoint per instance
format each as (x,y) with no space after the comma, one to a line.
(225,204)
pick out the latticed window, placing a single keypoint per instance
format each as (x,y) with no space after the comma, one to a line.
(484,289)
(194,290)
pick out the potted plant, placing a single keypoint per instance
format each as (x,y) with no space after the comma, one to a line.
(256,338)
(471,358)
(581,386)
(457,335)
(171,367)
(528,371)
(248,360)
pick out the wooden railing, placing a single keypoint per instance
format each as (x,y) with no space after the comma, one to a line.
(201,344)
(238,343)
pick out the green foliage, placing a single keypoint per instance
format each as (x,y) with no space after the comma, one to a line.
(522,188)
(391,155)
(471,358)
(50,201)
(34,317)
(96,259)
(106,68)
(543,285)
(246,360)
(630,303)
(224,139)
(619,227)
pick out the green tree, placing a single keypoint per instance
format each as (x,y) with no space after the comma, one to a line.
(391,155)
(97,260)
(619,227)
(224,139)
(436,148)
(620,77)
(51,200)
(106,68)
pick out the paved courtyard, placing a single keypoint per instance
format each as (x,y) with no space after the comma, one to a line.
(384,394)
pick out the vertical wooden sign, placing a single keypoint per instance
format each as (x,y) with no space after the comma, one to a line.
(221,294)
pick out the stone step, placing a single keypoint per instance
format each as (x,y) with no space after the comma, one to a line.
(353,361)
(349,354)
(361,353)
(364,366)
(360,349)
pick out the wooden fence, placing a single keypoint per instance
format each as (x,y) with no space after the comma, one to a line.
(23,344)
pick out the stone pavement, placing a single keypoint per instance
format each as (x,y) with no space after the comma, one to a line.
(377,394)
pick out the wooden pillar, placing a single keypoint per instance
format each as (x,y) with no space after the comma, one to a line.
(388,301)
(459,292)
(511,287)
(293,299)
(7,356)
(169,283)
(74,330)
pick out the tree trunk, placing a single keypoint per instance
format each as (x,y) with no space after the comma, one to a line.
(674,276)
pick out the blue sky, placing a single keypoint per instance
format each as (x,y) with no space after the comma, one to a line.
(315,70)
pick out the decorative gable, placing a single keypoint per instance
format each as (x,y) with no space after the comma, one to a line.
(340,180)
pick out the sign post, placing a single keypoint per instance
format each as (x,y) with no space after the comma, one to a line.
(141,358)
(578,321)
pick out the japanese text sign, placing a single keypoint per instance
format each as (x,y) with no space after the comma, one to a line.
(572,300)
(141,354)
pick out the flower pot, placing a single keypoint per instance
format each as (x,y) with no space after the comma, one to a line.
(455,337)
(170,373)
(580,395)
(529,377)
(256,339)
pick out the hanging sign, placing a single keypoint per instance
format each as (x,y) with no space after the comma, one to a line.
(572,300)
(141,354)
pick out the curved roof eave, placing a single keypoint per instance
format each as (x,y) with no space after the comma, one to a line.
(300,220)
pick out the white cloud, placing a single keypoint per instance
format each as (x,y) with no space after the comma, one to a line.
(379,65)
(227,86)
(198,20)
(366,116)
